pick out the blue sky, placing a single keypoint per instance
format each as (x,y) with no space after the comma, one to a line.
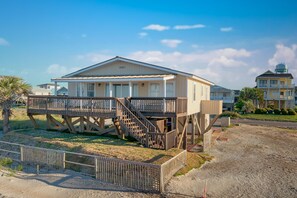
(227,42)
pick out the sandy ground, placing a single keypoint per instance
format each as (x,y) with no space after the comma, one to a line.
(255,161)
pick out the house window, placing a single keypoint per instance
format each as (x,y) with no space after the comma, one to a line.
(90,90)
(78,89)
(169,89)
(135,90)
(155,90)
(107,90)
(194,92)
(262,83)
(273,83)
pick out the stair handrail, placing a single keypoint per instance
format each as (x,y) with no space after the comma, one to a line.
(150,126)
(132,114)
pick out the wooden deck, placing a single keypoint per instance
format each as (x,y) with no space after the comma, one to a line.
(104,106)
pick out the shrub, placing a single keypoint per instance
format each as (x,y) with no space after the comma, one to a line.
(295,109)
(261,111)
(277,111)
(291,112)
(248,107)
(230,114)
(284,112)
(270,106)
(269,110)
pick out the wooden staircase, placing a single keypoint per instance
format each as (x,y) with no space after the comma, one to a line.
(134,123)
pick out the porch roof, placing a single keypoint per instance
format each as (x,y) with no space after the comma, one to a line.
(131,78)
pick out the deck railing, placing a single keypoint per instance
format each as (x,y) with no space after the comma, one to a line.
(76,106)
(91,106)
(160,104)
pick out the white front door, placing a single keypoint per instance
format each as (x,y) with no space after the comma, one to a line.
(155,90)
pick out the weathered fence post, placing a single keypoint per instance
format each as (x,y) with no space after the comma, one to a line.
(96,167)
(64,159)
(161,179)
(22,153)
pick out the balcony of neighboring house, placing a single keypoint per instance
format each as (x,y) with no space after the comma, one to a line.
(262,85)
(280,97)
(226,99)
(282,86)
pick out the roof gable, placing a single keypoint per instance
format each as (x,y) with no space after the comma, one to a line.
(87,71)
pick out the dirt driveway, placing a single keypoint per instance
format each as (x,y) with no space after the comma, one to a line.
(256,161)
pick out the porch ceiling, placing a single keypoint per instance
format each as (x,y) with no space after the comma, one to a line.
(158,77)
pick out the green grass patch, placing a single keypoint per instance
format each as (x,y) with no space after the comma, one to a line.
(5,162)
(271,117)
(194,160)
(109,146)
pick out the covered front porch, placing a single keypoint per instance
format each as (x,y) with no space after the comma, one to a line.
(121,86)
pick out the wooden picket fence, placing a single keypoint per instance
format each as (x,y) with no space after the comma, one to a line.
(138,175)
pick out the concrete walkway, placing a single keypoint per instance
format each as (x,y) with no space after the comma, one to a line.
(289,125)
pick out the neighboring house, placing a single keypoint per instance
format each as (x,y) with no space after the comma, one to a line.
(278,87)
(155,105)
(40,91)
(224,94)
(296,95)
(52,87)
(48,86)
(236,95)
(62,91)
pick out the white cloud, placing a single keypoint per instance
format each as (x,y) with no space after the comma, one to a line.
(284,54)
(156,27)
(194,46)
(173,43)
(187,27)
(287,55)
(254,71)
(225,66)
(56,69)
(3,42)
(226,62)
(142,34)
(226,29)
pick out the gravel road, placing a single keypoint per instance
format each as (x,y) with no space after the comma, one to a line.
(289,125)
(255,161)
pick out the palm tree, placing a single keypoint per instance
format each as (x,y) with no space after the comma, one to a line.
(11,89)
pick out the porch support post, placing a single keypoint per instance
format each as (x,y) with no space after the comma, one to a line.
(110,95)
(164,95)
(130,89)
(164,85)
(110,89)
(56,88)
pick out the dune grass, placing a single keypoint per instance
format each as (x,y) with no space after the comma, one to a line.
(20,120)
